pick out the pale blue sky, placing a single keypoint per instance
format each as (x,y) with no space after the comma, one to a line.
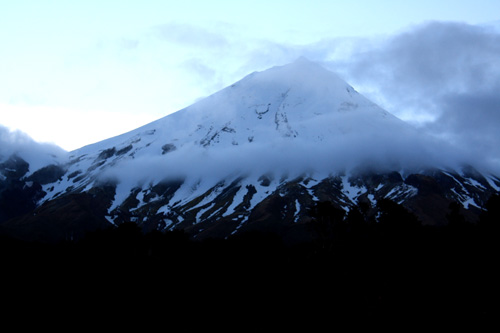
(75,72)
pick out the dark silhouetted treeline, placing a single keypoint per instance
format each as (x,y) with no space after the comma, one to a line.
(357,266)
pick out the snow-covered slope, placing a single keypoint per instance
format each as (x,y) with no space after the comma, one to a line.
(294,118)
(273,143)
(300,101)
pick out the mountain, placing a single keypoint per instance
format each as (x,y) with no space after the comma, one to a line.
(257,155)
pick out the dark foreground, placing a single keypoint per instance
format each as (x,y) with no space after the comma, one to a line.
(359,273)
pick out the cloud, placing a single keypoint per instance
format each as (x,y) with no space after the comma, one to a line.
(401,148)
(443,77)
(471,120)
(190,35)
(430,60)
(281,158)
(36,154)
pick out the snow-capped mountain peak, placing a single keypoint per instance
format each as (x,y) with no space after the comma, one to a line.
(264,148)
(300,100)
(288,119)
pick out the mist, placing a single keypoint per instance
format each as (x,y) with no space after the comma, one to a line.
(35,153)
(285,157)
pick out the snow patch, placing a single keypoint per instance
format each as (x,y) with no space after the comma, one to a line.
(297,211)
(110,219)
(202,211)
(402,192)
(237,199)
(492,183)
(371,197)
(474,183)
(121,194)
(352,192)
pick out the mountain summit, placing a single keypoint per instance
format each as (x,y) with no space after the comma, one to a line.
(267,120)
(255,155)
(301,98)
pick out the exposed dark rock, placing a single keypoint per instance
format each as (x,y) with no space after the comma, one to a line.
(107,153)
(96,165)
(14,167)
(167,148)
(425,184)
(46,175)
(69,216)
(261,113)
(265,180)
(17,195)
(124,150)
(74,174)
(18,198)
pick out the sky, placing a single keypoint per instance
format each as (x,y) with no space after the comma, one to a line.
(77,72)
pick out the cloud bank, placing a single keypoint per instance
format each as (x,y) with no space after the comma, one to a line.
(360,150)
(442,77)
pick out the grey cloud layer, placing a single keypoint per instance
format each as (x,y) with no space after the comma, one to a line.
(447,72)
(432,60)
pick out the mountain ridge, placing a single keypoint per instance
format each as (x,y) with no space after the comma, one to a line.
(262,151)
